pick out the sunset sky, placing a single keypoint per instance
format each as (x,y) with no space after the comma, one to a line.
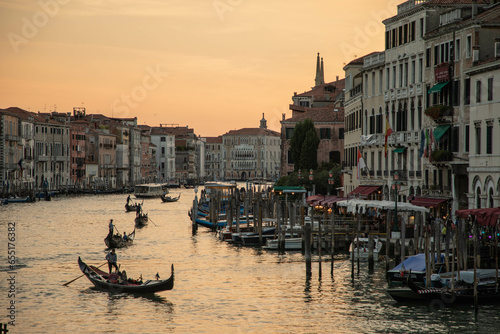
(213,65)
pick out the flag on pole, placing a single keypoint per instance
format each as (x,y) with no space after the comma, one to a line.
(388,132)
(361,164)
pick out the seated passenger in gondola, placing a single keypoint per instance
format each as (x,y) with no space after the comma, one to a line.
(125,236)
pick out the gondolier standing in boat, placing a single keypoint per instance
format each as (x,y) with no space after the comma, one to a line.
(111,226)
(112,258)
(128,199)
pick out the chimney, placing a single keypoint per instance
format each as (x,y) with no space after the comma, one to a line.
(283,116)
(337,78)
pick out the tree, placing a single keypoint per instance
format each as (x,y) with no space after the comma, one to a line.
(302,147)
(309,151)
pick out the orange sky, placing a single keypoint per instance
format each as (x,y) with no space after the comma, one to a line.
(214,65)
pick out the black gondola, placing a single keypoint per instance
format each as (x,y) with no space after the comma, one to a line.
(117,241)
(103,281)
(169,199)
(463,291)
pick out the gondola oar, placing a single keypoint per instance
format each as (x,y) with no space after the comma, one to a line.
(152,222)
(67,283)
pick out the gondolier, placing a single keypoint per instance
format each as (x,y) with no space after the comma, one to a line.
(112,258)
(111,226)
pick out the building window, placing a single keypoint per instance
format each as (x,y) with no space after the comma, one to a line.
(478,91)
(490,89)
(468,46)
(289,133)
(324,133)
(436,54)
(341,133)
(428,57)
(467,134)
(162,139)
(489,138)
(478,138)
(467,91)
(457,49)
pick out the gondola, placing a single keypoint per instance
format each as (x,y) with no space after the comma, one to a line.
(103,281)
(116,240)
(131,207)
(169,199)
(463,291)
(141,220)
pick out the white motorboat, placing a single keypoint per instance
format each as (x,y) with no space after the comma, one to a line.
(364,248)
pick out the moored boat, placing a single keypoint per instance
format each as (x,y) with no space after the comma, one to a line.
(104,281)
(463,289)
(364,248)
(290,243)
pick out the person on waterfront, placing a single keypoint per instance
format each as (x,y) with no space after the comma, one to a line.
(111,226)
(125,236)
(111,257)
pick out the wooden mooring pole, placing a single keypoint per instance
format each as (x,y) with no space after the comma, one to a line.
(307,246)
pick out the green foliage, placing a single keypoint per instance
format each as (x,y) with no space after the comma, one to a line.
(304,145)
(320,178)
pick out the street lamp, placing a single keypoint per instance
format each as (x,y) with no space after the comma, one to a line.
(330,182)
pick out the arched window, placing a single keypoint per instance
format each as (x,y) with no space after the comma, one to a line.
(478,198)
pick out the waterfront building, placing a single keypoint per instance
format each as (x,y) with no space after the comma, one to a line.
(214,164)
(16,150)
(77,152)
(456,111)
(364,124)
(52,152)
(251,153)
(165,153)
(323,104)
(481,78)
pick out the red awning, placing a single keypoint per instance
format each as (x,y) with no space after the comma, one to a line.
(314,200)
(328,201)
(427,201)
(487,216)
(364,190)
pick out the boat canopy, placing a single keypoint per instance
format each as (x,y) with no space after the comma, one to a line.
(414,263)
(360,205)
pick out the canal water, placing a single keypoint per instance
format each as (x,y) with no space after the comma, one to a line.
(219,287)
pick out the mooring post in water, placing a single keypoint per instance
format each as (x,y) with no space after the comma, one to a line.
(319,245)
(397,251)
(353,240)
(194,212)
(357,239)
(333,240)
(387,240)
(307,246)
(260,222)
(370,252)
